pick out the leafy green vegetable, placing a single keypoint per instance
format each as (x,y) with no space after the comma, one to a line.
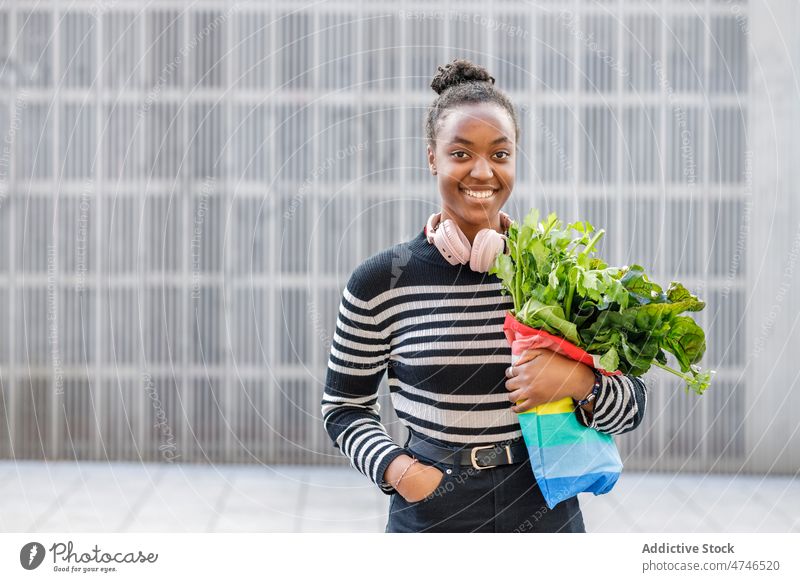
(559,285)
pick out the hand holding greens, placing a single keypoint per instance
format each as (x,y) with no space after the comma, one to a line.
(558,285)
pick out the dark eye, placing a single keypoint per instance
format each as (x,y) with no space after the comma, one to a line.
(458,152)
(506,153)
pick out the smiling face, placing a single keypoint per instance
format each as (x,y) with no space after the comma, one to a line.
(474,161)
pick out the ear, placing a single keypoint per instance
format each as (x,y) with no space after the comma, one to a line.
(431,160)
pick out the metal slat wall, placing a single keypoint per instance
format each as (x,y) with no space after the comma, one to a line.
(208,175)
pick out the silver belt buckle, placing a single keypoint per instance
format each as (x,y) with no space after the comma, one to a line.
(474,458)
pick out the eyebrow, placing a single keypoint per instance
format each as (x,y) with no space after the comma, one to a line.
(466,141)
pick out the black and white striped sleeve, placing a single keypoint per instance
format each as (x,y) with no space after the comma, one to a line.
(358,360)
(619,407)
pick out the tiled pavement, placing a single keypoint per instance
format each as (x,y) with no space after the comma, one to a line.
(129,497)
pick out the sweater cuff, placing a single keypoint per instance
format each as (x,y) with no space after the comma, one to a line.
(382,466)
(602,394)
(583,418)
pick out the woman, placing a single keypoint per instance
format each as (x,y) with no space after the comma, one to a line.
(436,324)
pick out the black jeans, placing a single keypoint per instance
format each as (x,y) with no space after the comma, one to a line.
(500,499)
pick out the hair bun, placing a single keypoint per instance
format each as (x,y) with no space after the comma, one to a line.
(457,72)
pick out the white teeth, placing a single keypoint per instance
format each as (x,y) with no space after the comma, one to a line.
(480,194)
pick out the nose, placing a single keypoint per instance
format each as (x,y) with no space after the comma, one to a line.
(482,169)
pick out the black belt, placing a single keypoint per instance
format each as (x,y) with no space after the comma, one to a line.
(481,457)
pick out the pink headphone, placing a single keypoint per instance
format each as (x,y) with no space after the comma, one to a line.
(455,247)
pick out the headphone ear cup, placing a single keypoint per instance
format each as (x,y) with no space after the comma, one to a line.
(451,241)
(487,245)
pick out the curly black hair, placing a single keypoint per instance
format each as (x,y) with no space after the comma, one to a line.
(462,81)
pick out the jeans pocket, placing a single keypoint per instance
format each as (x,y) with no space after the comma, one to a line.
(441,487)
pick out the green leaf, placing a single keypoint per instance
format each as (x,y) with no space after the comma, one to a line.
(532,219)
(540,254)
(639,354)
(536,313)
(610,360)
(641,288)
(652,315)
(504,268)
(591,281)
(616,293)
(686,341)
(678,294)
(552,280)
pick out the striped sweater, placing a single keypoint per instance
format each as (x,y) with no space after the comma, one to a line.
(437,329)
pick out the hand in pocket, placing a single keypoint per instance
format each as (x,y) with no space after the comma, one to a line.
(420,482)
